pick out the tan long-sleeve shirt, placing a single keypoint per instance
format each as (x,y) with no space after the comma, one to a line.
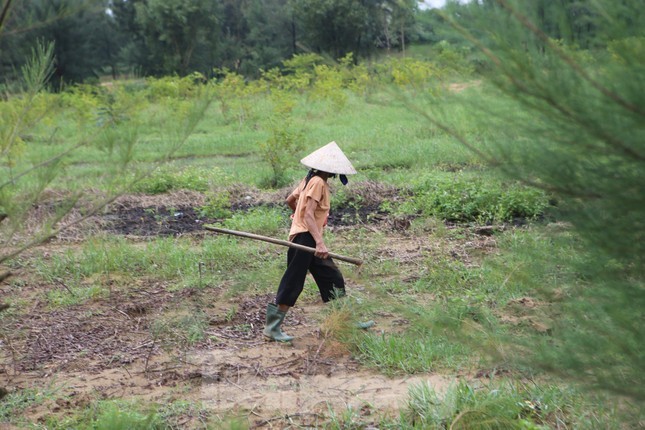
(318,190)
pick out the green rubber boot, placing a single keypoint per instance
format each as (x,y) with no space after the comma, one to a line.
(339,293)
(365,325)
(272,331)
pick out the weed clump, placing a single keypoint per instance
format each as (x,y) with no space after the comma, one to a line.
(462,199)
(165,180)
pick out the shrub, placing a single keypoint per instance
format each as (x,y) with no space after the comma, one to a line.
(173,86)
(235,95)
(261,220)
(83,100)
(218,205)
(452,59)
(413,73)
(355,77)
(302,63)
(164,180)
(474,200)
(328,85)
(285,139)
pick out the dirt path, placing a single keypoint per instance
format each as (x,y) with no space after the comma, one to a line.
(307,380)
(240,374)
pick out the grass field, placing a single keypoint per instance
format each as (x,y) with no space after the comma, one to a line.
(138,318)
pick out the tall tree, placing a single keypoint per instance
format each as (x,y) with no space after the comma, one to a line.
(132,53)
(337,27)
(398,19)
(74,26)
(232,50)
(271,35)
(180,36)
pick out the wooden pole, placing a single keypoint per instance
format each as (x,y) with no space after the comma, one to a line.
(355,261)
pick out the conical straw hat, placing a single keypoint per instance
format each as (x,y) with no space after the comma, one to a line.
(329,159)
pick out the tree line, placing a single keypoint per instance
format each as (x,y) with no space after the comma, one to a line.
(94,38)
(158,37)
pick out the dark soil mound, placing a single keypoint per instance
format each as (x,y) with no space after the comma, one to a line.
(165,216)
(162,221)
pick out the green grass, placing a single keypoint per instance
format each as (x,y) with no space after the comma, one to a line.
(74,295)
(370,134)
(408,353)
(182,262)
(15,403)
(122,414)
(111,415)
(500,405)
(268,221)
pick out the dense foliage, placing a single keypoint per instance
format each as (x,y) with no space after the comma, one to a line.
(95,38)
(100,37)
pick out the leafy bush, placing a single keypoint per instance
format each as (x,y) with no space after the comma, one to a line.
(279,151)
(630,47)
(302,63)
(285,140)
(408,72)
(218,205)
(164,180)
(355,77)
(173,86)
(83,100)
(234,95)
(453,59)
(274,80)
(261,220)
(328,85)
(475,200)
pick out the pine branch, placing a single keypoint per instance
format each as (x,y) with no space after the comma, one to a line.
(543,95)
(4,14)
(570,61)
(192,122)
(43,164)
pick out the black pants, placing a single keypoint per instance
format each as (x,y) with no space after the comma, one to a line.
(327,276)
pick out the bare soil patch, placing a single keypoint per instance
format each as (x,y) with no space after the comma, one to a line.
(107,349)
(180,213)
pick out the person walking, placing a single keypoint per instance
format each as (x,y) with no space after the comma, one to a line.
(310,202)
